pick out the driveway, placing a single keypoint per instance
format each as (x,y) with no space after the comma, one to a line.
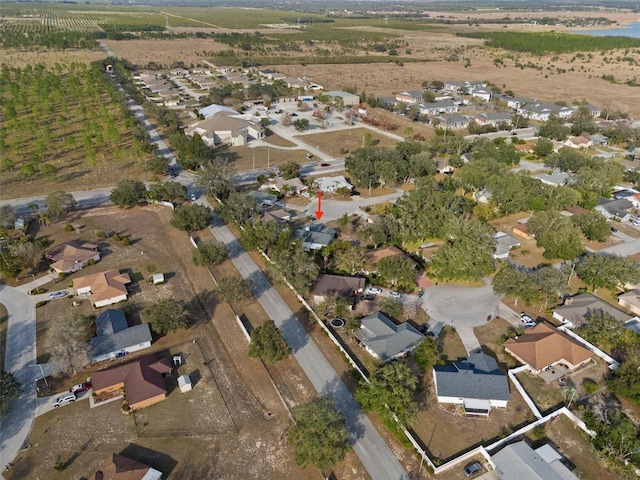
(374,453)
(461,307)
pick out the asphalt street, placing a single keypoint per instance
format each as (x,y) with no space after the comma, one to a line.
(374,453)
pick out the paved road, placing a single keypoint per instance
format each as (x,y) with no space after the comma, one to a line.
(20,356)
(373,452)
(460,307)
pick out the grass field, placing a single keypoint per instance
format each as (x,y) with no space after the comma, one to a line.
(339,143)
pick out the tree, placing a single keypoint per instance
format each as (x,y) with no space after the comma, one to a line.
(593,225)
(616,438)
(554,128)
(603,330)
(7,217)
(390,390)
(28,254)
(191,217)
(582,122)
(216,177)
(238,207)
(319,434)
(290,169)
(397,270)
(173,192)
(350,259)
(301,124)
(557,234)
(234,289)
(167,315)
(427,353)
(128,193)
(209,252)
(543,147)
(625,382)
(60,203)
(9,390)
(294,264)
(67,341)
(391,307)
(268,344)
(607,271)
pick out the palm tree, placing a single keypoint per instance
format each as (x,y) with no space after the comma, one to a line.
(570,395)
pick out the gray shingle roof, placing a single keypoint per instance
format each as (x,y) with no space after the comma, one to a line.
(519,461)
(577,308)
(114,334)
(478,377)
(110,321)
(385,338)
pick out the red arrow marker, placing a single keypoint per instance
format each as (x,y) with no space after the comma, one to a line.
(319,212)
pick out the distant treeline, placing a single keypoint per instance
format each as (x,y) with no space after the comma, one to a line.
(540,43)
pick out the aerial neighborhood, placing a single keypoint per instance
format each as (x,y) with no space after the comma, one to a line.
(382,242)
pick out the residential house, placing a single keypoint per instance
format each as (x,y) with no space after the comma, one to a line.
(464,87)
(331,184)
(522,230)
(630,301)
(594,111)
(267,73)
(578,142)
(315,236)
(279,216)
(616,208)
(518,461)
(337,286)
(115,338)
(104,288)
(543,112)
(373,257)
(179,72)
(436,108)
(204,83)
(570,212)
(443,165)
(483,196)
(410,96)
(518,102)
(544,346)
(295,82)
(348,99)
(600,140)
(493,118)
(475,383)
(71,256)
(143,381)
(576,309)
(554,179)
(291,186)
(119,467)
(482,93)
(264,199)
(453,121)
(224,127)
(386,340)
(504,244)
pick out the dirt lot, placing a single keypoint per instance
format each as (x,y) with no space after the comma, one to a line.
(233,407)
(546,396)
(335,143)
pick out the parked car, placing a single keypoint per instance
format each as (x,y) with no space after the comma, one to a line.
(367,296)
(325,164)
(373,290)
(64,399)
(527,320)
(293,114)
(395,294)
(81,387)
(614,229)
(60,294)
(193,197)
(423,328)
(472,469)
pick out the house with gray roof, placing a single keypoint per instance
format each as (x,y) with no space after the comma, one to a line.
(553,179)
(385,340)
(504,244)
(331,184)
(519,461)
(453,121)
(476,383)
(348,99)
(493,118)
(614,208)
(409,96)
(577,309)
(436,108)
(115,338)
(315,236)
(264,199)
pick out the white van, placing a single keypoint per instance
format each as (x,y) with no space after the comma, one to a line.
(64,399)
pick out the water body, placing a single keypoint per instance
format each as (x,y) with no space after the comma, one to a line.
(632,30)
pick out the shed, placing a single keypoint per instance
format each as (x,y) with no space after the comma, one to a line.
(184,382)
(158,278)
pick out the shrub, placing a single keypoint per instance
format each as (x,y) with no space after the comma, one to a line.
(40,304)
(68,228)
(538,432)
(99,234)
(126,242)
(116,237)
(590,386)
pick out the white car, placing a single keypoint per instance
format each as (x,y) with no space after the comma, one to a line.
(395,294)
(373,290)
(193,197)
(527,320)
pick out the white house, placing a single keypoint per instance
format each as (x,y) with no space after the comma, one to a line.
(224,127)
(331,184)
(504,244)
(436,108)
(104,288)
(410,96)
(482,94)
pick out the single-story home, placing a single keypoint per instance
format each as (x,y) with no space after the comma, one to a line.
(522,230)
(264,199)
(385,340)
(544,346)
(475,383)
(104,288)
(279,215)
(575,210)
(143,380)
(518,461)
(598,139)
(578,142)
(372,257)
(225,127)
(464,87)
(115,338)
(348,99)
(71,257)
(554,179)
(214,109)
(575,310)
(482,93)
(315,236)
(410,96)
(493,118)
(337,286)
(436,108)
(454,121)
(119,467)
(331,184)
(517,102)
(504,244)
(614,208)
(631,301)
(291,186)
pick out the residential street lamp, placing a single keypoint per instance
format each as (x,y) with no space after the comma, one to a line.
(41,371)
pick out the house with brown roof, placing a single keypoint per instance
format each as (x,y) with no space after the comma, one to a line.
(104,288)
(578,142)
(71,256)
(631,301)
(142,380)
(291,186)
(119,467)
(545,346)
(337,286)
(372,257)
(522,230)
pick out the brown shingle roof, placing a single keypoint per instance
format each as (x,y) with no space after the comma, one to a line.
(104,285)
(142,378)
(119,467)
(544,345)
(338,285)
(68,254)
